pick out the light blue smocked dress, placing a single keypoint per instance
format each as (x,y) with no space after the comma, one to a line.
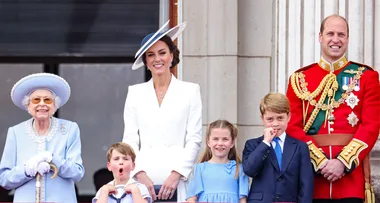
(212,182)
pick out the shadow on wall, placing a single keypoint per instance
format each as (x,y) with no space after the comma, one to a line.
(102,177)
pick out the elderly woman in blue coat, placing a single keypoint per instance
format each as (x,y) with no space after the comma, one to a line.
(33,145)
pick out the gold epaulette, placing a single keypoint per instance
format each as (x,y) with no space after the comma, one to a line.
(350,153)
(316,155)
(306,67)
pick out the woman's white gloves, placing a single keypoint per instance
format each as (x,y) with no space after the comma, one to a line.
(45,156)
(39,163)
(43,168)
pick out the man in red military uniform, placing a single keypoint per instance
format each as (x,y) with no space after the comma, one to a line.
(335,107)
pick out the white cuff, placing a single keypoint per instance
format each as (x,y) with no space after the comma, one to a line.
(267,143)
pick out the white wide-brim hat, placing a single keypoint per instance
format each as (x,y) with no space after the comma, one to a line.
(54,83)
(152,38)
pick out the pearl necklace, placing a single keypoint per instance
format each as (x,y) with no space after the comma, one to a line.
(35,127)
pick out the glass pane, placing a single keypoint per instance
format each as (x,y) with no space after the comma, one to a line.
(10,114)
(97,105)
(80,27)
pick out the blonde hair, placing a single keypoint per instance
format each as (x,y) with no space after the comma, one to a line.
(232,154)
(275,102)
(123,148)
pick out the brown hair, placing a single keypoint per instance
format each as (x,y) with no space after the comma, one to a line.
(322,28)
(232,155)
(275,102)
(123,148)
(172,48)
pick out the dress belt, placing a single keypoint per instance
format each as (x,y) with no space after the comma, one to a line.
(323,140)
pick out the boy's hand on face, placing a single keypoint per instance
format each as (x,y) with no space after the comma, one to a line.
(269,134)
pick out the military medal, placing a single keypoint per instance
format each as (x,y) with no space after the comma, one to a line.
(352,100)
(352,119)
(345,83)
(357,85)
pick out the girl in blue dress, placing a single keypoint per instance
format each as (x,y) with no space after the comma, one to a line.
(219,176)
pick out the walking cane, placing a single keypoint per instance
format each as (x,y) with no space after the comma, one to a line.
(38,182)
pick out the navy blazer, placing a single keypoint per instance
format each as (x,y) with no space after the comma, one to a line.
(294,183)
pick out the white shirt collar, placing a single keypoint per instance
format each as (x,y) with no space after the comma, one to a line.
(282,137)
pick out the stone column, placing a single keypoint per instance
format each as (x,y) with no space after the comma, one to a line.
(255,28)
(210,55)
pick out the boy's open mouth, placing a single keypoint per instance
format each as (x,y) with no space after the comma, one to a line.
(121,170)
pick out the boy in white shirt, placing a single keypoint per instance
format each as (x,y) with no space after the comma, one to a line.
(123,189)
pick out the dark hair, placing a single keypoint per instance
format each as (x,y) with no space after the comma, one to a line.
(334,15)
(172,48)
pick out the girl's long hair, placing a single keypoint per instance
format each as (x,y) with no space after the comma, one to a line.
(232,155)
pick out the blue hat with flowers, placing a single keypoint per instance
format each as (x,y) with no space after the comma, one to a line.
(54,83)
(152,38)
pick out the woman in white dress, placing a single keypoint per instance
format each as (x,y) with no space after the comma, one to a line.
(163,119)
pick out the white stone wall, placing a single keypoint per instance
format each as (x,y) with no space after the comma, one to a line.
(222,54)
(210,55)
(255,69)
(238,51)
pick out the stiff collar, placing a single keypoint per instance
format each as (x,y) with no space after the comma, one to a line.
(282,137)
(340,63)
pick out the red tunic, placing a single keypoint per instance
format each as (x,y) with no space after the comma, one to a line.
(366,130)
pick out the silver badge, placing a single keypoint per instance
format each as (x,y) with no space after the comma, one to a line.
(352,119)
(63,129)
(352,100)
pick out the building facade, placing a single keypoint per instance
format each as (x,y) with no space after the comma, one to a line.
(238,51)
